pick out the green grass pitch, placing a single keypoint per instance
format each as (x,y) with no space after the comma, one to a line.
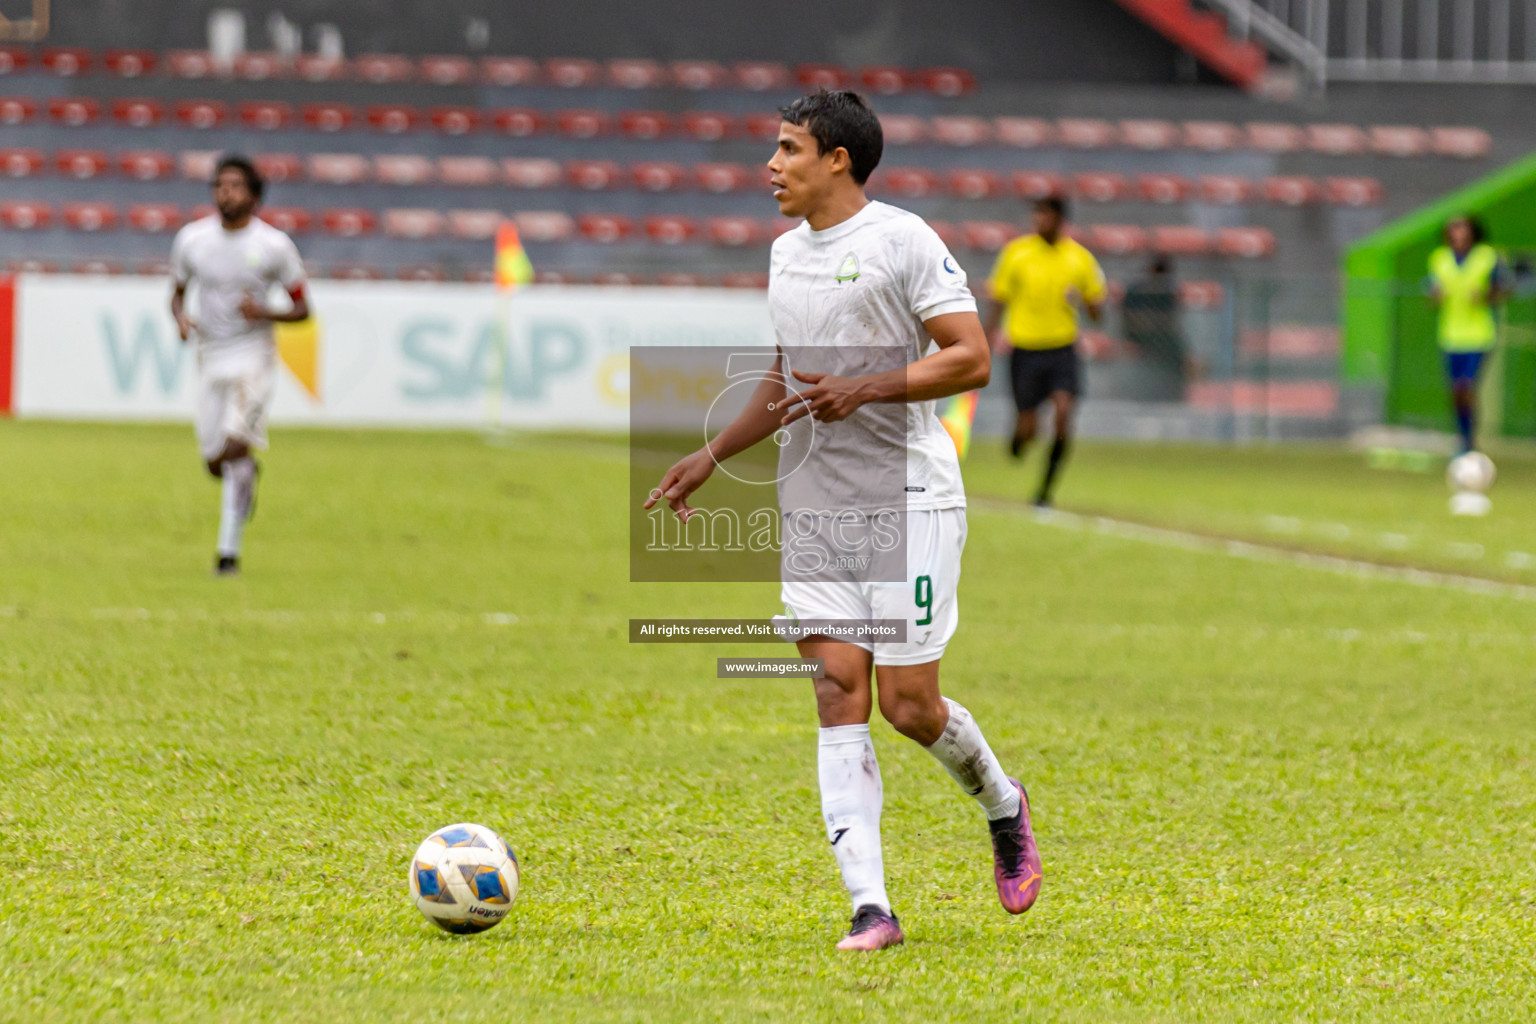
(1264,792)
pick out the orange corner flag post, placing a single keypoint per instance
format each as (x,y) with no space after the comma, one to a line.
(958,416)
(513,268)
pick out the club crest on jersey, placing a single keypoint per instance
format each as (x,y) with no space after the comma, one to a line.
(849,271)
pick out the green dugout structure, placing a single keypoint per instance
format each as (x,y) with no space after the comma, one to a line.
(1389,322)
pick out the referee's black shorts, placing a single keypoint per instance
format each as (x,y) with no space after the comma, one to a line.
(1039,372)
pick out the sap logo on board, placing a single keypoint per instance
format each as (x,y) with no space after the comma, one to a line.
(446,362)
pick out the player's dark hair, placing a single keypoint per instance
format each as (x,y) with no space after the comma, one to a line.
(235,162)
(840,119)
(1055,204)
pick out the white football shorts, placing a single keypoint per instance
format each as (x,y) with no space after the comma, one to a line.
(928,599)
(232,398)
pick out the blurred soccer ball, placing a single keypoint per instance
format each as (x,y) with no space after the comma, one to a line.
(464,878)
(1470,472)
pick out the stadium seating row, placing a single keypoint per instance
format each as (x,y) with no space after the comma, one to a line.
(565,73)
(545,226)
(660,176)
(711,126)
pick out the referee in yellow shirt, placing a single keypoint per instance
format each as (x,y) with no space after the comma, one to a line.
(1033,286)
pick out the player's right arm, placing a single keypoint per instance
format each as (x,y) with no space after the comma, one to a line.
(181,276)
(755,423)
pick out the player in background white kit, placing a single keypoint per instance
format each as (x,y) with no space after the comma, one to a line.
(234,259)
(861,274)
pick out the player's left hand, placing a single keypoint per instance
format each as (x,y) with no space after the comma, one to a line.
(251,310)
(828,399)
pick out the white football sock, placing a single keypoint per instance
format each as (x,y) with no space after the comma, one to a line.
(964,753)
(851,797)
(239,478)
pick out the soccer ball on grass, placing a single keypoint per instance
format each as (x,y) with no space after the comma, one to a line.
(1472,471)
(464,878)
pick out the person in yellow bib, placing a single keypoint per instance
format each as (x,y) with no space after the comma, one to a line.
(1466,280)
(1034,285)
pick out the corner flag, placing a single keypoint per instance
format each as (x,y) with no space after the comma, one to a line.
(958,415)
(512,265)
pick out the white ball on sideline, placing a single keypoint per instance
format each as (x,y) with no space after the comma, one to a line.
(1473,471)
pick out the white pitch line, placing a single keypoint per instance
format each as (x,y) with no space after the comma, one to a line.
(1255,552)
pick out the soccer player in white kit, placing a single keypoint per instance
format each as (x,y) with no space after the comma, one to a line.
(864,274)
(235,259)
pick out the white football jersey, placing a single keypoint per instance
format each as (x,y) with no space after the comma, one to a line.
(867,283)
(225,267)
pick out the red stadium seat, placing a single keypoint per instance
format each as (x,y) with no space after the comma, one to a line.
(449,70)
(947,81)
(776,226)
(517,122)
(752,279)
(137,113)
(903,129)
(353,272)
(1398,140)
(294,220)
(201,114)
(31,266)
(1149,134)
(454,120)
(278,168)
(556,277)
(763,127)
(571,73)
(593,175)
(339,168)
(581,124)
(66,61)
(658,177)
(1271,137)
(383,68)
(96,267)
(972,184)
(13,59)
(328,117)
(714,177)
(821,76)
(259,67)
(480,275)
(707,125)
(508,72)
(1226,189)
(194,64)
(203,211)
(682,280)
(265,115)
(1039,184)
(989,235)
(393,118)
(1102,186)
(348,222)
(1290,190)
(760,76)
(1024,132)
(73,111)
(644,124)
(16,110)
(312,67)
(617,279)
(698,75)
(402,169)
(1180,240)
(25,216)
(734,232)
(475,225)
(1116,239)
(20,163)
(1467,143)
(422,272)
(1249,243)
(604,228)
(198,164)
(666,229)
(474,171)
(90,217)
(531,172)
(950,234)
(81,164)
(909,182)
(960,131)
(1085,132)
(154,218)
(145,164)
(413,223)
(1212,136)
(885,81)
(152,268)
(1349,191)
(544,226)
(635,74)
(1336,139)
(1162,188)
(1201,295)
